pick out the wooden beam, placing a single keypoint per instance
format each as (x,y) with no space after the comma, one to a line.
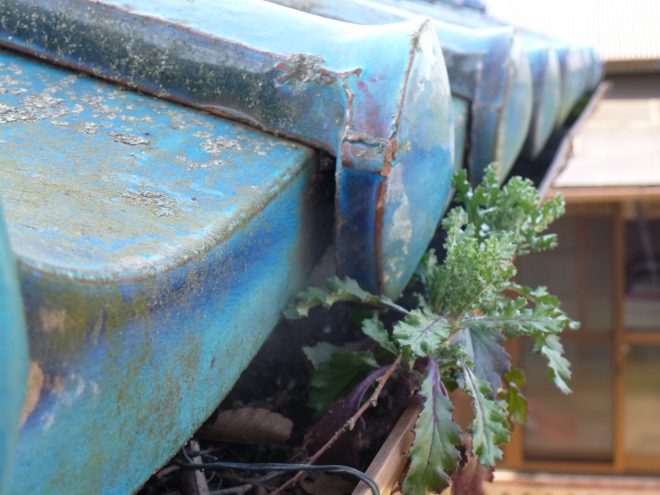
(642,337)
(618,351)
(388,465)
(569,466)
(595,195)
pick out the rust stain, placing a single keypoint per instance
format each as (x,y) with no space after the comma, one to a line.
(372,104)
(35,385)
(378,234)
(304,67)
(390,155)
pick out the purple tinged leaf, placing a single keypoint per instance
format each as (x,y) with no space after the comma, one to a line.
(345,450)
(489,359)
(433,455)
(470,478)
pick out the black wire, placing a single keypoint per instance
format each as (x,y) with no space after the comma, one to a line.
(276,466)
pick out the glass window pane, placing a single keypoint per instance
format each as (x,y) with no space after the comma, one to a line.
(579,426)
(555,270)
(642,400)
(642,299)
(599,274)
(641,312)
(565,228)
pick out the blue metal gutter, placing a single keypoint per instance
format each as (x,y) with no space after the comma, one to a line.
(377,98)
(565,64)
(156,246)
(543,65)
(486,67)
(13,358)
(148,244)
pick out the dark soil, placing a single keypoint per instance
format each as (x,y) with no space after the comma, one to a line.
(277,379)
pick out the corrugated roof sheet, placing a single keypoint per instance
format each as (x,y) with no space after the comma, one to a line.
(621,30)
(619,143)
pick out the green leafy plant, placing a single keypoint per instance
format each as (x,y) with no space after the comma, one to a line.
(467,306)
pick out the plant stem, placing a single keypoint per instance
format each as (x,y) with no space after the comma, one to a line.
(348,425)
(395,307)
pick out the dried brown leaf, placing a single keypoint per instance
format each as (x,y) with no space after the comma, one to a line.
(326,484)
(249,425)
(35,384)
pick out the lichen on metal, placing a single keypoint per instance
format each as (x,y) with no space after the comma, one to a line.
(486,68)
(376,97)
(148,284)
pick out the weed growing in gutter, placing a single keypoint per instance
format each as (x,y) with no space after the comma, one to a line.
(466,307)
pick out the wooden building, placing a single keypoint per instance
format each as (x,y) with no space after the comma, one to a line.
(606,271)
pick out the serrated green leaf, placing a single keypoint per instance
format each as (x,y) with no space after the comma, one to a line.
(322,352)
(463,189)
(427,266)
(515,208)
(559,369)
(538,295)
(338,290)
(433,455)
(516,402)
(515,318)
(305,301)
(422,332)
(375,330)
(483,349)
(489,426)
(334,376)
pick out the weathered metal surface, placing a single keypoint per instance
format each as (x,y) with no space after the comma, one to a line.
(156,246)
(547,92)
(580,68)
(13,358)
(479,5)
(596,68)
(485,66)
(541,56)
(575,72)
(461,116)
(375,97)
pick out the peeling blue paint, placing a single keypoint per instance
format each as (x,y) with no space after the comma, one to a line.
(347,91)
(156,246)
